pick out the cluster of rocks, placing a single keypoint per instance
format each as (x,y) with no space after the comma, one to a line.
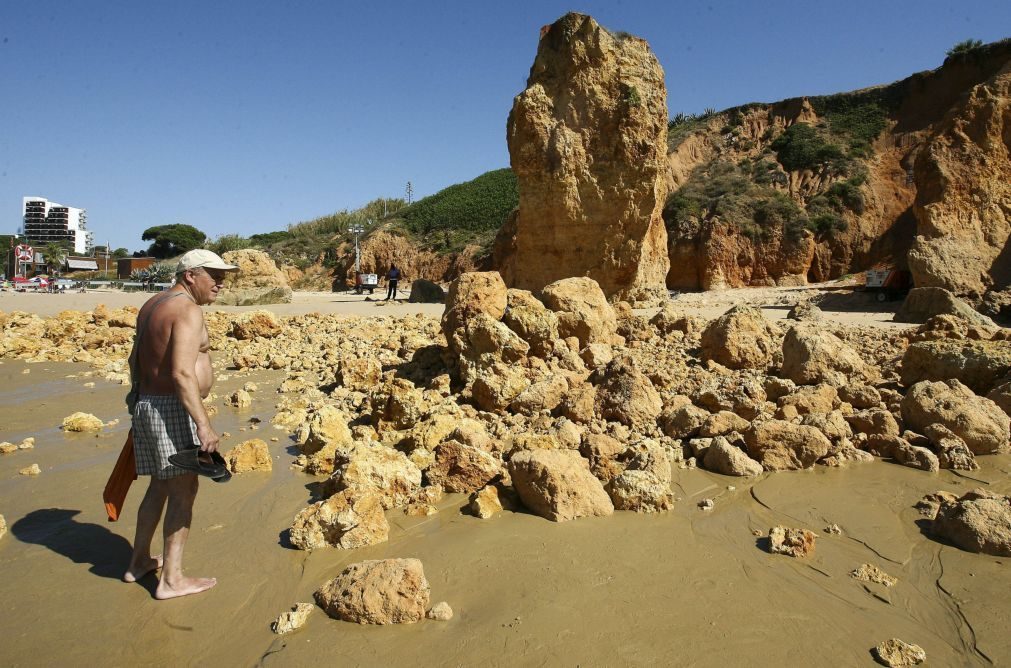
(572,406)
(7,447)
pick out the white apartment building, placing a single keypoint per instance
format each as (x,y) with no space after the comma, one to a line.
(46,221)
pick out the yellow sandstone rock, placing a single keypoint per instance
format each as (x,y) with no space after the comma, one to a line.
(32,470)
(293,619)
(251,455)
(82,422)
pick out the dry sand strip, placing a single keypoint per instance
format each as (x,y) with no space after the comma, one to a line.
(840,301)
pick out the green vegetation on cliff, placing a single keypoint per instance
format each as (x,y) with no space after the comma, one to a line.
(745,197)
(451,219)
(462,214)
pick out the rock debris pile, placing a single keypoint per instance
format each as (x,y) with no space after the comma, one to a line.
(571,406)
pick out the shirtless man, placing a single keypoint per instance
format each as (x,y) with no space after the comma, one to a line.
(173,366)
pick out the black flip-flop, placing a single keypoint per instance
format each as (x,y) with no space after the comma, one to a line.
(210,464)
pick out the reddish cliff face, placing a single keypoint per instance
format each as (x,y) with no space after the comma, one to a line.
(963,201)
(934,185)
(382,249)
(587,142)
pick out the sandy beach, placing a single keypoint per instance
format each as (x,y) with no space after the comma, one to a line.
(689,587)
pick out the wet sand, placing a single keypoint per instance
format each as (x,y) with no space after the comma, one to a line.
(690,587)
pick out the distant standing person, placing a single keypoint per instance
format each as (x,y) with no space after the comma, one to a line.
(392,278)
(172,373)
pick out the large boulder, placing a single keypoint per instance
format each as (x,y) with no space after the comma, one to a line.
(979,364)
(251,455)
(345,520)
(426,292)
(722,457)
(484,340)
(472,293)
(813,355)
(588,144)
(397,405)
(462,468)
(558,485)
(544,395)
(976,420)
(922,304)
(255,324)
(495,387)
(84,422)
(740,339)
(377,469)
(531,320)
(644,485)
(362,374)
(980,521)
(626,395)
(683,421)
(328,428)
(778,445)
(952,452)
(602,452)
(582,310)
(258,280)
(390,591)
(1001,395)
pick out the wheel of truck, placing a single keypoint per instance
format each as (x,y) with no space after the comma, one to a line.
(881,296)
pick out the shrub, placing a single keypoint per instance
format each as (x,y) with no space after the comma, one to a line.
(765,172)
(801,147)
(826,224)
(630,95)
(268,238)
(229,242)
(965,46)
(682,208)
(338,223)
(776,211)
(847,194)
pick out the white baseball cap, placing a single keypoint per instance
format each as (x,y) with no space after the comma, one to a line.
(201,257)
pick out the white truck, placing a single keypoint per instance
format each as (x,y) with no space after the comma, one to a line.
(888,282)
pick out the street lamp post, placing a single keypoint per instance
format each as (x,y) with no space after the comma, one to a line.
(356,230)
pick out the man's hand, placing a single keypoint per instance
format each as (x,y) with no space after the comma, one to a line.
(209,439)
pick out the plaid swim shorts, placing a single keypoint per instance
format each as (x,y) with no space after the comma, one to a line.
(161,428)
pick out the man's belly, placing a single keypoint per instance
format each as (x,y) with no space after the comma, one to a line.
(205,374)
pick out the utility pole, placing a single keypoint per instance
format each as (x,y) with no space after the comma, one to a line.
(410,192)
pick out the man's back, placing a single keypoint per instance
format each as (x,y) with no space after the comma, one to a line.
(163,317)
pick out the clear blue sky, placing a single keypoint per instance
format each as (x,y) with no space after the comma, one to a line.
(243,117)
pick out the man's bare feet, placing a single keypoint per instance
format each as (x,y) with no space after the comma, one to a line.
(138,570)
(184,587)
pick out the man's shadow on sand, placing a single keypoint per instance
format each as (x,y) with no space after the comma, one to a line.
(82,543)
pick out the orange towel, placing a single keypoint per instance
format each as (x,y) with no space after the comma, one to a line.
(122,476)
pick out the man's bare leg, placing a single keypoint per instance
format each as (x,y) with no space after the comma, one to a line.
(182,490)
(148,516)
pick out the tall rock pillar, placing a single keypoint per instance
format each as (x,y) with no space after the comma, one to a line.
(588,143)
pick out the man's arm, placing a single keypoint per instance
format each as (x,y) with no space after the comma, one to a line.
(186,337)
